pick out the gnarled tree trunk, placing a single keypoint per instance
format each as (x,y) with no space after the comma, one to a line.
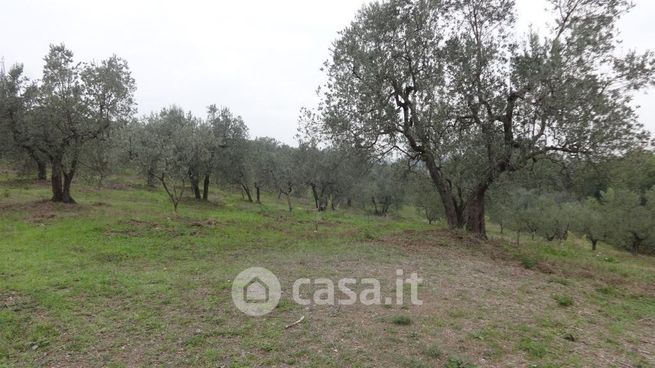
(475,222)
(56,180)
(61,180)
(205,188)
(247,191)
(195,187)
(68,179)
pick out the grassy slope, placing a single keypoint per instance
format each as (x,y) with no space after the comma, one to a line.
(119,281)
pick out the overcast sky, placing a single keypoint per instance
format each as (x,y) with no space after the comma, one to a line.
(260,58)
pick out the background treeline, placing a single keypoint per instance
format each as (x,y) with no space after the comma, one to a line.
(79,120)
(612,201)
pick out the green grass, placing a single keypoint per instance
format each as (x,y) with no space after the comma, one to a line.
(432,352)
(120,280)
(563,300)
(458,363)
(401,320)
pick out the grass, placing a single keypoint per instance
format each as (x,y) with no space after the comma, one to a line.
(563,300)
(433,352)
(458,363)
(401,320)
(119,280)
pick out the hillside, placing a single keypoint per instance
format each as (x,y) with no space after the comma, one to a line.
(120,281)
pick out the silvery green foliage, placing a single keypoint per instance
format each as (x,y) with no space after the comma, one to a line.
(109,97)
(275,169)
(518,209)
(556,216)
(79,102)
(73,105)
(631,217)
(423,195)
(592,220)
(228,151)
(331,173)
(452,83)
(386,187)
(18,97)
(166,147)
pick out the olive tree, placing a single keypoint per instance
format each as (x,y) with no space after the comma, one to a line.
(632,218)
(165,148)
(275,169)
(452,83)
(219,149)
(236,167)
(18,98)
(331,173)
(386,187)
(556,215)
(73,105)
(592,220)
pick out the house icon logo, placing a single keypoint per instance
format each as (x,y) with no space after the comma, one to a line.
(256,291)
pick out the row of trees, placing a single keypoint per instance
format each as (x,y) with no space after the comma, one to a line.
(612,201)
(78,118)
(621,217)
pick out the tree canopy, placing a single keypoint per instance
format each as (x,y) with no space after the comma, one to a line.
(453,84)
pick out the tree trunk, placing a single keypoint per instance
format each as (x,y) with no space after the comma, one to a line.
(56,180)
(151,179)
(289,201)
(257,192)
(247,191)
(195,187)
(41,163)
(636,242)
(205,188)
(375,205)
(42,174)
(61,180)
(315,194)
(68,179)
(453,217)
(475,222)
(594,244)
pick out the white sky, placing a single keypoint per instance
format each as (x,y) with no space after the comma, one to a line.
(260,58)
